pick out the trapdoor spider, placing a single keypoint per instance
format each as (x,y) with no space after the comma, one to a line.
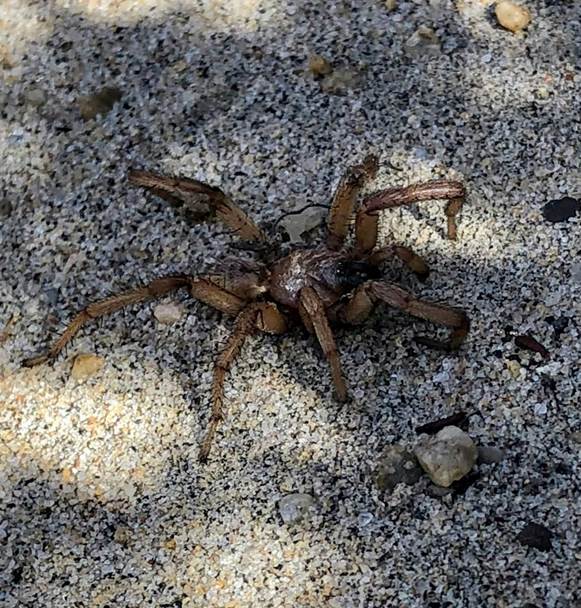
(319,286)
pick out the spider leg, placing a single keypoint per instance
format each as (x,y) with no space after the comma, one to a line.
(186,191)
(366,295)
(366,222)
(264,316)
(413,261)
(312,311)
(201,289)
(344,200)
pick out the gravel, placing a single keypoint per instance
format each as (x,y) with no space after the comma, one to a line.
(102,500)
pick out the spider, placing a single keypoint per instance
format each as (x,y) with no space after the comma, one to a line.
(321,286)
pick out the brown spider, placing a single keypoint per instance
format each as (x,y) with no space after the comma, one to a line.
(319,286)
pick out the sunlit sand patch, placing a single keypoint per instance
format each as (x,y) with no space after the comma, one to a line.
(100,442)
(244,14)
(20,25)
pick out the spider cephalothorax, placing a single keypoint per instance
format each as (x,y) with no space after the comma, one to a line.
(319,286)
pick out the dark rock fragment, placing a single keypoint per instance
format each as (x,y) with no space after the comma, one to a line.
(561,209)
(536,536)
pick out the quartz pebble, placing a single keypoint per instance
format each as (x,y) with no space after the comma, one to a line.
(511,16)
(297,224)
(447,456)
(86,365)
(294,507)
(167,314)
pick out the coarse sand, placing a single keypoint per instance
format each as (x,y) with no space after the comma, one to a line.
(102,500)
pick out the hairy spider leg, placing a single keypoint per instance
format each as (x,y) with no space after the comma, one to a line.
(201,289)
(341,211)
(367,218)
(186,191)
(358,308)
(313,314)
(264,316)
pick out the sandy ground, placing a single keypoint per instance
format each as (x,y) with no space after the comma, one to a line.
(102,500)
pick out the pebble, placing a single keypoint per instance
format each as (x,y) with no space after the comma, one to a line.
(294,507)
(5,208)
(167,314)
(297,224)
(340,81)
(536,536)
(447,456)
(514,368)
(364,519)
(511,16)
(540,409)
(396,465)
(35,97)
(319,66)
(86,365)
(390,5)
(490,455)
(561,209)
(101,102)
(423,42)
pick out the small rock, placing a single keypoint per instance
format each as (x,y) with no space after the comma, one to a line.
(101,102)
(319,66)
(575,436)
(396,465)
(340,81)
(35,97)
(514,368)
(86,365)
(390,5)
(364,519)
(168,313)
(540,409)
(423,42)
(294,507)
(536,536)
(490,455)
(512,16)
(297,224)
(122,535)
(5,208)
(6,61)
(447,456)
(561,209)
